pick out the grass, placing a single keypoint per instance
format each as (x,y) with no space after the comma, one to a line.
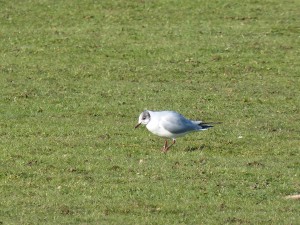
(75,75)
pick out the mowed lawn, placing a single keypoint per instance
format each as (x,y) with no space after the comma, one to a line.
(75,75)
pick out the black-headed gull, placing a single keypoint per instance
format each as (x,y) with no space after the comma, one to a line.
(169,124)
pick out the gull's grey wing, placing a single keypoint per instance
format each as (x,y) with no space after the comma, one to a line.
(177,124)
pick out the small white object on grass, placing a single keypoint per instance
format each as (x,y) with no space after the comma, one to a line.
(293,197)
(169,124)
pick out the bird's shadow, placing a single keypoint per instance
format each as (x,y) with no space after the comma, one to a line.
(195,148)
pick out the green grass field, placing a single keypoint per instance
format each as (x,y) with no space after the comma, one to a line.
(75,75)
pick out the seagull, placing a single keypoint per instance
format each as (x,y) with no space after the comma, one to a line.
(169,124)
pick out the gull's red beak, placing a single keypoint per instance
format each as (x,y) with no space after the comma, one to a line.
(136,126)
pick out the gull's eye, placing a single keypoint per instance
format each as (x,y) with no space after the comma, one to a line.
(144,117)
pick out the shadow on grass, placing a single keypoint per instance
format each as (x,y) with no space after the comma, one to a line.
(195,148)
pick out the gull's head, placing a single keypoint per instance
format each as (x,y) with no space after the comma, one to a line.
(144,118)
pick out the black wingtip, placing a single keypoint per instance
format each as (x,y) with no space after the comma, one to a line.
(207,125)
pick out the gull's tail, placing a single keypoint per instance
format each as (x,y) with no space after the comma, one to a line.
(205,125)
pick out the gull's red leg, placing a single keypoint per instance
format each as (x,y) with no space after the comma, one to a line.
(165,146)
(173,142)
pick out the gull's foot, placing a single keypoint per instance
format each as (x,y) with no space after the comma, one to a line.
(165,149)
